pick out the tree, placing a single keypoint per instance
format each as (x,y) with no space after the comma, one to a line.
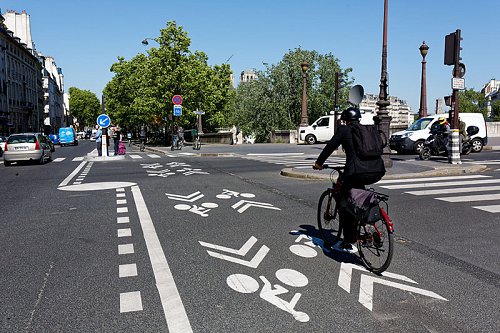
(274,100)
(495,110)
(470,100)
(84,105)
(142,88)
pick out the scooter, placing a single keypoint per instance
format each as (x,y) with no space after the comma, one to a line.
(434,145)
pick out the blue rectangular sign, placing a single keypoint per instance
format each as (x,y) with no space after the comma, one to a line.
(177,110)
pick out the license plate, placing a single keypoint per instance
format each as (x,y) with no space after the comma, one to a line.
(21,148)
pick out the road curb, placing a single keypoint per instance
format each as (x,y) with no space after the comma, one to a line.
(442,171)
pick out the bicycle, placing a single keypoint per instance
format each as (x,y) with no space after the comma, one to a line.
(176,143)
(375,230)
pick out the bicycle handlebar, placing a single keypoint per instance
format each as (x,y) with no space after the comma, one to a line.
(336,168)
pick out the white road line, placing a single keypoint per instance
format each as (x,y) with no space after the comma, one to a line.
(123,219)
(122,210)
(490,209)
(135,157)
(120,190)
(154,156)
(127,270)
(442,184)
(121,201)
(467,198)
(407,180)
(59,159)
(130,301)
(456,190)
(68,179)
(175,314)
(124,232)
(276,154)
(121,195)
(125,249)
(78,159)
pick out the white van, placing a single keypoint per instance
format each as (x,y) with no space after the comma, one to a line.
(412,139)
(323,128)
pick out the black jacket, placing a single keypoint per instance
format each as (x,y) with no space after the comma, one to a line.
(354,167)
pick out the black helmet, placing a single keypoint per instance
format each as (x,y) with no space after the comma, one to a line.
(350,114)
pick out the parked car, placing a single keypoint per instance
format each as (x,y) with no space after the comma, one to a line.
(26,147)
(3,139)
(54,138)
(51,144)
(88,134)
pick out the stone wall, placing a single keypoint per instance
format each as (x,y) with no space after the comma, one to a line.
(493,129)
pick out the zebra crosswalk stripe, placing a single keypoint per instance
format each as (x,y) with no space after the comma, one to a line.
(490,209)
(442,184)
(154,156)
(424,179)
(456,190)
(59,159)
(135,156)
(467,198)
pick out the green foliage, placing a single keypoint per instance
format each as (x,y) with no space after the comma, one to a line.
(470,100)
(274,100)
(85,106)
(495,110)
(142,88)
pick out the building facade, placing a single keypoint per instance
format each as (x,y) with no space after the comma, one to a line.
(491,91)
(21,101)
(399,110)
(51,108)
(247,76)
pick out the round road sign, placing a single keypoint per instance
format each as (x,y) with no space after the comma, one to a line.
(177,99)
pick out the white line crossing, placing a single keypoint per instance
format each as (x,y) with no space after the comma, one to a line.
(135,157)
(439,186)
(59,159)
(297,160)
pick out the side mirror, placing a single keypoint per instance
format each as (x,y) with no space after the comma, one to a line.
(314,126)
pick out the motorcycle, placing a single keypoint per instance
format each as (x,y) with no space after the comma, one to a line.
(434,145)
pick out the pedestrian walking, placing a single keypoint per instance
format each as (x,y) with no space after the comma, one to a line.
(98,140)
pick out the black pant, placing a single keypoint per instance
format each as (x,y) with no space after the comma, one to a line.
(347,220)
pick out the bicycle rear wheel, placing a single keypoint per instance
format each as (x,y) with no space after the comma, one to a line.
(375,245)
(328,219)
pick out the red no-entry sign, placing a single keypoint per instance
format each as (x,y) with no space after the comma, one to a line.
(177,99)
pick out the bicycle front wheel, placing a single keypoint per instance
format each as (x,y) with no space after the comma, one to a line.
(375,245)
(328,219)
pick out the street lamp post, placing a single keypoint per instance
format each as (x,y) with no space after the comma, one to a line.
(382,119)
(422,112)
(303,118)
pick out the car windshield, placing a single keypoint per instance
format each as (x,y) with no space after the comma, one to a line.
(21,139)
(420,124)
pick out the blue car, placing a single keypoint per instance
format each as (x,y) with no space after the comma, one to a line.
(54,138)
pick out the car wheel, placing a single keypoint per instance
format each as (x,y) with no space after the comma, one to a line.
(418,146)
(310,139)
(477,145)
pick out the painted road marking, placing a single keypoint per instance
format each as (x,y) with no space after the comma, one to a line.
(175,313)
(78,159)
(127,270)
(59,159)
(424,179)
(71,175)
(122,210)
(124,232)
(135,157)
(125,249)
(441,184)
(467,198)
(490,209)
(130,302)
(121,195)
(123,219)
(121,201)
(456,190)
(154,156)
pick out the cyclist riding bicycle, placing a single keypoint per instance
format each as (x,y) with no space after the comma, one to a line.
(350,178)
(143,136)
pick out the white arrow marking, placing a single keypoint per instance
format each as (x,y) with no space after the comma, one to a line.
(366,290)
(189,198)
(253,263)
(241,252)
(252,204)
(345,275)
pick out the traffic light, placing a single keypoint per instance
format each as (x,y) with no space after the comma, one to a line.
(452,48)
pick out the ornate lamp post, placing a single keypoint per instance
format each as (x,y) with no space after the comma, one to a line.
(382,119)
(422,112)
(303,117)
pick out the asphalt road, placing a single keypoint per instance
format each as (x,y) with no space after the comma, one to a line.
(179,243)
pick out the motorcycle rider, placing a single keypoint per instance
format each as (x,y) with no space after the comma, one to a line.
(441,130)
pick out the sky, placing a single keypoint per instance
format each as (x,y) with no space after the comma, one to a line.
(87,36)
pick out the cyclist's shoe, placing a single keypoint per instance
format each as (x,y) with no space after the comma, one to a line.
(345,247)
